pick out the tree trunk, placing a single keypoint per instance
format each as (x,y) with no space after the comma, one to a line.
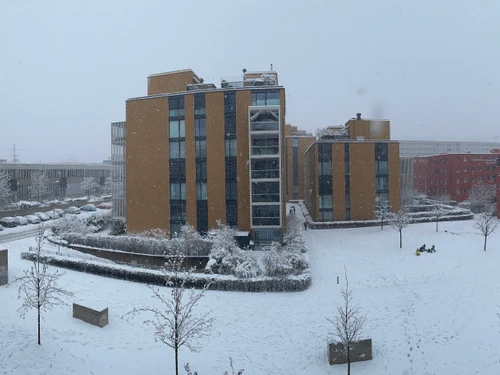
(401,239)
(485,238)
(436,225)
(348,361)
(176,361)
(39,343)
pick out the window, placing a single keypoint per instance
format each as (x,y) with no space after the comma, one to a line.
(325,216)
(177,129)
(265,191)
(458,181)
(465,169)
(199,104)
(381,151)
(201,191)
(201,170)
(295,142)
(381,167)
(201,149)
(230,102)
(382,183)
(176,106)
(472,169)
(178,191)
(200,127)
(266,215)
(265,168)
(465,179)
(457,170)
(266,97)
(177,170)
(230,147)
(231,168)
(325,152)
(325,185)
(457,191)
(230,125)
(177,150)
(231,190)
(325,201)
(325,168)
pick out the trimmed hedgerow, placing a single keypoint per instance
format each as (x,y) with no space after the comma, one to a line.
(197,281)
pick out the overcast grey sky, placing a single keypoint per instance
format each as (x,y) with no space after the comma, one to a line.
(67,67)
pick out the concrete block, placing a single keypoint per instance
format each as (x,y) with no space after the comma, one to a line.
(4,267)
(88,315)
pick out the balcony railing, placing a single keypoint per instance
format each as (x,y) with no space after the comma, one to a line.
(266,173)
(264,126)
(265,150)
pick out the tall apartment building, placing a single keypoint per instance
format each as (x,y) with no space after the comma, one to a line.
(198,154)
(350,170)
(454,175)
(118,171)
(296,143)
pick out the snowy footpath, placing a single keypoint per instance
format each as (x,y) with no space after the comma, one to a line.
(432,314)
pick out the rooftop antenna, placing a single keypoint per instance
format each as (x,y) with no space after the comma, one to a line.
(271,67)
(15,159)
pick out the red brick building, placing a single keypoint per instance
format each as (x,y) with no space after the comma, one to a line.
(454,175)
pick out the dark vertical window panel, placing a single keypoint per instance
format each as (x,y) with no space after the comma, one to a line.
(199,104)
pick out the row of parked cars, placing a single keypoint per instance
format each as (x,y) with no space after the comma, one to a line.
(37,217)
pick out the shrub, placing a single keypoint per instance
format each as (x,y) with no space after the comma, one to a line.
(118,227)
(69,224)
(98,221)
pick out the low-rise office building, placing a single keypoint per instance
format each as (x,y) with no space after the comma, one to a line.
(62,179)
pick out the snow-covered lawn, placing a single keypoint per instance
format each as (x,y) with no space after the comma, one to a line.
(432,314)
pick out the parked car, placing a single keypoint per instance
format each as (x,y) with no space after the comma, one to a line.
(8,222)
(88,207)
(60,211)
(73,210)
(52,214)
(42,216)
(32,219)
(105,206)
(21,220)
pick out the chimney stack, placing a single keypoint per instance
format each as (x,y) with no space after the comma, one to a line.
(358,116)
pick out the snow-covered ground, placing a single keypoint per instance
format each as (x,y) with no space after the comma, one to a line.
(432,314)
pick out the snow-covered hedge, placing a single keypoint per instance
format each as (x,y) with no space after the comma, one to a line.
(198,281)
(188,242)
(73,224)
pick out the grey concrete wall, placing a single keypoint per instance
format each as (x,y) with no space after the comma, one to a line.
(96,318)
(4,267)
(362,351)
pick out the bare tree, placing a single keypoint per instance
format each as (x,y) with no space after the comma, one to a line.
(89,185)
(348,322)
(486,224)
(383,213)
(399,221)
(175,322)
(39,185)
(438,213)
(5,192)
(481,196)
(38,287)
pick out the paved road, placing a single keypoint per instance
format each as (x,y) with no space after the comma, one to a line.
(9,237)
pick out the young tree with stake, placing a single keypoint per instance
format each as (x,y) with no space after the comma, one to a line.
(398,222)
(38,288)
(348,322)
(486,224)
(175,322)
(438,213)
